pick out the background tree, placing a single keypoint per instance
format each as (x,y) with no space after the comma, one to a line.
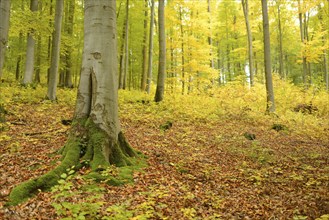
(29,63)
(144,52)
(53,74)
(150,55)
(4,28)
(96,124)
(162,53)
(270,106)
(245,7)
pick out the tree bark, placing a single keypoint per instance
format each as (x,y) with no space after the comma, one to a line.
(53,74)
(95,138)
(162,53)
(302,37)
(270,105)
(212,65)
(29,63)
(68,51)
(4,28)
(249,35)
(182,48)
(150,57)
(144,52)
(281,67)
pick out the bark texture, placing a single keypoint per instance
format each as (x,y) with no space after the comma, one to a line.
(149,71)
(162,54)
(270,106)
(53,73)
(29,63)
(4,28)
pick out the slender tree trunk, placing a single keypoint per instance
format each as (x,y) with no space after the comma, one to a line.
(124,49)
(29,63)
(53,74)
(38,64)
(19,58)
(126,69)
(270,106)
(49,39)
(281,67)
(68,54)
(300,17)
(150,57)
(144,52)
(162,53)
(4,28)
(249,35)
(182,45)
(210,38)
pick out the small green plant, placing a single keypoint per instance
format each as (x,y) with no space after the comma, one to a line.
(64,194)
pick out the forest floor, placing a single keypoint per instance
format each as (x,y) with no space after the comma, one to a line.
(203,167)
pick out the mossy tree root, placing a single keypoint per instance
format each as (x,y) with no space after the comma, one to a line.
(87,145)
(26,189)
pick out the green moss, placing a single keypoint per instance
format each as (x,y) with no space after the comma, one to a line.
(29,188)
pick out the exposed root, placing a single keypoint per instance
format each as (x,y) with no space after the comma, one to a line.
(87,145)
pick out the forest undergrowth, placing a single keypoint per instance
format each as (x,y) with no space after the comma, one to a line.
(214,155)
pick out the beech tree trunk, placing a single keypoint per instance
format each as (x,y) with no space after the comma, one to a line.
(4,28)
(150,58)
(53,74)
(68,51)
(144,52)
(29,63)
(270,105)
(162,53)
(95,138)
(249,34)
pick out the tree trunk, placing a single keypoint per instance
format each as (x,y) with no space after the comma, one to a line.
(182,45)
(300,17)
(270,105)
(144,52)
(53,74)
(126,66)
(210,38)
(162,53)
(249,34)
(281,68)
(4,28)
(68,51)
(149,72)
(49,40)
(96,134)
(29,63)
(124,49)
(37,71)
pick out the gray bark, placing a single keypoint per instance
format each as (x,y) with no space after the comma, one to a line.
(270,105)
(97,92)
(212,65)
(249,35)
(162,53)
(53,74)
(144,52)
(29,63)
(4,28)
(68,51)
(281,67)
(150,58)
(126,69)
(302,38)
(182,45)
